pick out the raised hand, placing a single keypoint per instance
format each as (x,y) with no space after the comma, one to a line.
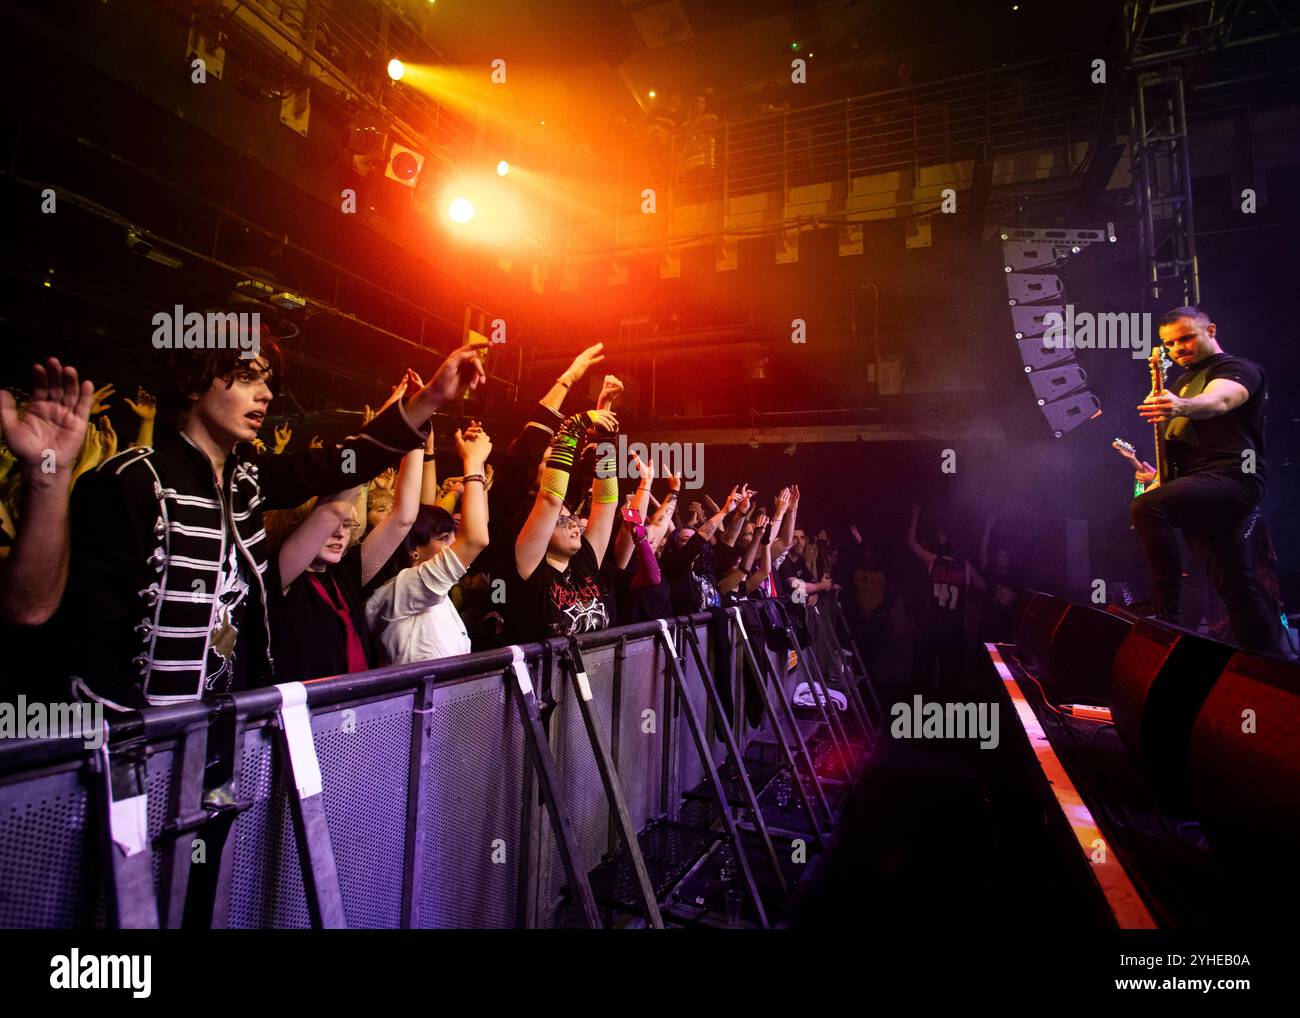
(399,390)
(794,495)
(855,534)
(107,438)
(589,357)
(646,470)
(474,447)
(143,406)
(385,480)
(604,420)
(316,442)
(100,402)
(675,483)
(259,445)
(461,371)
(92,451)
(282,436)
(610,390)
(56,419)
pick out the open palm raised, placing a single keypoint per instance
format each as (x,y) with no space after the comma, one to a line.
(56,419)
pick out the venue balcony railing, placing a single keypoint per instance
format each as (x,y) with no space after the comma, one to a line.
(861,157)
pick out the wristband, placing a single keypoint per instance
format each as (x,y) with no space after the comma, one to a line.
(561,381)
(474,477)
(429,457)
(605,489)
(555,482)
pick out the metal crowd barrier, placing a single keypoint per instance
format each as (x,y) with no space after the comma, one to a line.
(478,791)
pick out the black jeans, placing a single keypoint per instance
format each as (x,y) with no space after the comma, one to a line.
(1211,509)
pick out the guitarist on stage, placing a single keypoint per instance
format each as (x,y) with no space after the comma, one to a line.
(1213,420)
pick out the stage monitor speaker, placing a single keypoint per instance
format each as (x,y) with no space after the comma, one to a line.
(1035,626)
(1159,680)
(1244,761)
(1083,645)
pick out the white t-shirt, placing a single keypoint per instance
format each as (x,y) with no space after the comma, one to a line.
(413,618)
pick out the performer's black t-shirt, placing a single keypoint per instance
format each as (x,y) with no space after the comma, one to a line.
(1216,444)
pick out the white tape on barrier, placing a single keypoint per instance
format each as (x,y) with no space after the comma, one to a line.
(741,624)
(520,667)
(295,720)
(129,822)
(584,687)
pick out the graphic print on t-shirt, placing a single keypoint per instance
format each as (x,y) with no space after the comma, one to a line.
(948,577)
(578,606)
(231,593)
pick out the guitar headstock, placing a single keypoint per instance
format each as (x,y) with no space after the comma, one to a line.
(1159,362)
(1127,450)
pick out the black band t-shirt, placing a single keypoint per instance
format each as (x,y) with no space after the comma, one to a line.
(554,603)
(1216,444)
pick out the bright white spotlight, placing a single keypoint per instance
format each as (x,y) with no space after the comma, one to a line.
(395,69)
(461,210)
(503,168)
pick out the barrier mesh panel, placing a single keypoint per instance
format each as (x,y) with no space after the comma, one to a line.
(578,776)
(364,755)
(690,771)
(473,770)
(46,854)
(640,752)
(266,886)
(158,785)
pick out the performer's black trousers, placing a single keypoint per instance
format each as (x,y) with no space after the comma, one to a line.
(1211,509)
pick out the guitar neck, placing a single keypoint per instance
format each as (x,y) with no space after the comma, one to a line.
(1158,428)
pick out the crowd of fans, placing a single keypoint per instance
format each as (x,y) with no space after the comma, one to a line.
(197,561)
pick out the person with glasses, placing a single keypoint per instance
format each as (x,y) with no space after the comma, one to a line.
(555,588)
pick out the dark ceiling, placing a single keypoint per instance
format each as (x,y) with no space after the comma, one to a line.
(584,64)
